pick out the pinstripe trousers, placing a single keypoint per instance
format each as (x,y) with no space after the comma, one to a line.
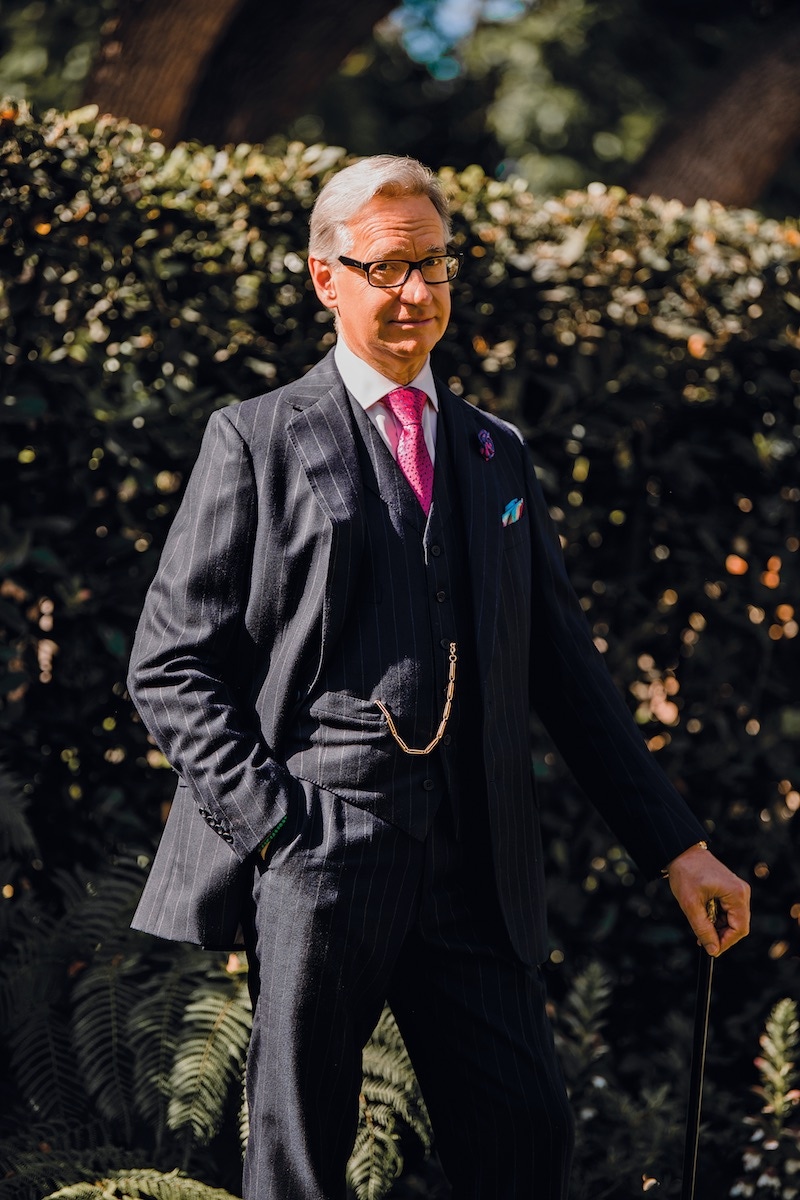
(349,912)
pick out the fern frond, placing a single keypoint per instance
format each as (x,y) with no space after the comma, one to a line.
(396,1105)
(588,999)
(44,1064)
(51,969)
(386,1062)
(51,1157)
(777,1064)
(16,835)
(49,949)
(143,1184)
(103,999)
(389,1079)
(97,909)
(244,1122)
(581,1019)
(154,1027)
(375,1163)
(210,1057)
(391,1106)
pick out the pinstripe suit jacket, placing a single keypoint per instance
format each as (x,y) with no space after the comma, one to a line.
(255,582)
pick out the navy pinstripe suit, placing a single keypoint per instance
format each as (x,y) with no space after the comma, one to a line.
(368,891)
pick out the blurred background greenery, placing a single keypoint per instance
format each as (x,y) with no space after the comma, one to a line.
(685,98)
(649,351)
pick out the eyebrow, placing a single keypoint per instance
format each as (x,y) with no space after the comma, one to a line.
(400,254)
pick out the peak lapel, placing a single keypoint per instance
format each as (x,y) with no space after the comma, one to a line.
(479,499)
(322,434)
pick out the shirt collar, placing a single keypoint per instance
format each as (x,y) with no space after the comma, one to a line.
(368,386)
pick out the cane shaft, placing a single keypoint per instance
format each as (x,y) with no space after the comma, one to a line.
(705,972)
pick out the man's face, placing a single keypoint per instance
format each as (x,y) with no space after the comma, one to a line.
(393,329)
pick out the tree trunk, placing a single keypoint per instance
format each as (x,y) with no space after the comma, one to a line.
(153,57)
(729,147)
(272,60)
(223,70)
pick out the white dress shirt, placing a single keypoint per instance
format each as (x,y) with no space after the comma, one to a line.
(368,387)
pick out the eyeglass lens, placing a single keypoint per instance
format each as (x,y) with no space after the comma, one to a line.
(434,270)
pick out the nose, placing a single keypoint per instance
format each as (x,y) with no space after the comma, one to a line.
(415,289)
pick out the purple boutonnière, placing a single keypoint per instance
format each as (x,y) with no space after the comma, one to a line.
(486,444)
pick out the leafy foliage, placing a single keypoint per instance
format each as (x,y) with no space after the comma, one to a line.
(170,1083)
(97,1020)
(568,92)
(156,1034)
(47,47)
(561,91)
(626,1141)
(772,1161)
(104,997)
(16,835)
(209,1059)
(41,1159)
(110,1034)
(141,1185)
(391,1106)
(580,89)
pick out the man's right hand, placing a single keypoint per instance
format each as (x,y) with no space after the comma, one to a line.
(696,877)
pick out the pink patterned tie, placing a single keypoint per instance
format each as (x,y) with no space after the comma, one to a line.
(406,404)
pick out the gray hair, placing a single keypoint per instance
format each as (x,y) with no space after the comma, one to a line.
(351,188)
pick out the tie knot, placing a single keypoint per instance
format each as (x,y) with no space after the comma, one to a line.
(406,403)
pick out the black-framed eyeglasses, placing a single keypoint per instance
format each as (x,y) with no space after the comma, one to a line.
(391,273)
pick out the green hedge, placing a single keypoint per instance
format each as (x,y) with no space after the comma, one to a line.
(650,352)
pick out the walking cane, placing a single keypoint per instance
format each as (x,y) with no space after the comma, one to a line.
(702,1005)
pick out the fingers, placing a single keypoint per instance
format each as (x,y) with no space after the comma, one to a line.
(736,908)
(696,877)
(707,934)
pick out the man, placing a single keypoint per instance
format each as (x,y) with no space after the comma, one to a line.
(360,597)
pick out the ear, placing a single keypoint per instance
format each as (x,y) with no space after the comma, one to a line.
(324,279)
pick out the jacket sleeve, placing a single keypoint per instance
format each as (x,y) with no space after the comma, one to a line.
(584,712)
(182,677)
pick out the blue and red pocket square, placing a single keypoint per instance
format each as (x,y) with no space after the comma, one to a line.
(512,512)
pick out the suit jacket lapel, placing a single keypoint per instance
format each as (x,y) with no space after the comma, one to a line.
(479,498)
(322,433)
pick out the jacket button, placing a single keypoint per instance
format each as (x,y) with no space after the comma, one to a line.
(429,785)
(436,550)
(447,739)
(441,597)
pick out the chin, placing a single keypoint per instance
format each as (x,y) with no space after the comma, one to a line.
(413,345)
